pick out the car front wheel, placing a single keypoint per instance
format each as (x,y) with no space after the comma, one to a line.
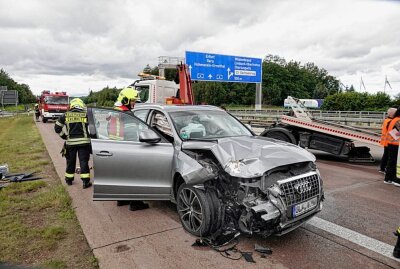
(194,210)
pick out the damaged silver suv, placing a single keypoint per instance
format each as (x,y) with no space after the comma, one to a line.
(220,175)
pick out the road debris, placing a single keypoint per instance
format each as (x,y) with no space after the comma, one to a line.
(248,256)
(16,178)
(226,245)
(3,170)
(262,249)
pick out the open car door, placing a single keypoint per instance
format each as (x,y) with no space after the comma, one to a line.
(124,167)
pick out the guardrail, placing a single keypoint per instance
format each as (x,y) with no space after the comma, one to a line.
(4,113)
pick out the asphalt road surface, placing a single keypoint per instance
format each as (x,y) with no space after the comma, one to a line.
(354,229)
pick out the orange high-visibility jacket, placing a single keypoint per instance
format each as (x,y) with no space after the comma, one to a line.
(392,124)
(385,126)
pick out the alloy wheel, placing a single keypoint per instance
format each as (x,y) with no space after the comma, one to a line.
(190,209)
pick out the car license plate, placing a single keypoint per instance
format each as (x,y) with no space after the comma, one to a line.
(304,207)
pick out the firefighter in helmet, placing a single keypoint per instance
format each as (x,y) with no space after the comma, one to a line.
(37,112)
(126,99)
(77,141)
(125,102)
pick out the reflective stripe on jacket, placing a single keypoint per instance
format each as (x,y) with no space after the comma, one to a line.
(392,125)
(385,126)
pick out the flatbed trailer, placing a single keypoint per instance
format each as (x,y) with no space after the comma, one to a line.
(301,129)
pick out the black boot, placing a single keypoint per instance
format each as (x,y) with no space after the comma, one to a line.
(396,251)
(69,181)
(137,205)
(86,183)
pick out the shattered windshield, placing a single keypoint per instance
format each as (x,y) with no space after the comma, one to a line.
(207,124)
(56,100)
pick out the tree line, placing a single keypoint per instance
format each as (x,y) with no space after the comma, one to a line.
(25,95)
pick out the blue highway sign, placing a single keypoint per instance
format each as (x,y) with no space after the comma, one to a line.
(217,67)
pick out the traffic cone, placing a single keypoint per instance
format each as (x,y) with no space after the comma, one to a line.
(396,251)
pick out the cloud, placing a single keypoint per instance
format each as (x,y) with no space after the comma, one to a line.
(91,44)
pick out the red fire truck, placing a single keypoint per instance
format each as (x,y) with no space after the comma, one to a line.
(52,105)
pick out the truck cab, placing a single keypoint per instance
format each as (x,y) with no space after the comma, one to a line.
(52,105)
(155,89)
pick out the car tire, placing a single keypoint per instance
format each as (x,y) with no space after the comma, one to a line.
(194,210)
(44,120)
(216,210)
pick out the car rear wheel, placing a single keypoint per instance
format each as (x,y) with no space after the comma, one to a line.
(194,210)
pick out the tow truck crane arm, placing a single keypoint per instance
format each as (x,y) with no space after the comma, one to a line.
(185,85)
(185,93)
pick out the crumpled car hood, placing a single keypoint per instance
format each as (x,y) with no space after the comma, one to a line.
(249,157)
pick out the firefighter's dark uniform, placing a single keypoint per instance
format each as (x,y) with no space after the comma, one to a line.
(37,112)
(77,142)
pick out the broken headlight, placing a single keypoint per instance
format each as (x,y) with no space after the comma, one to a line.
(234,167)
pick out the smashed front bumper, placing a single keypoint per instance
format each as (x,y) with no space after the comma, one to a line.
(291,202)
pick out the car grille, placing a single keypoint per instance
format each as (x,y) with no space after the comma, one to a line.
(300,188)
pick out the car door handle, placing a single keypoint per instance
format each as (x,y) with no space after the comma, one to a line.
(104,153)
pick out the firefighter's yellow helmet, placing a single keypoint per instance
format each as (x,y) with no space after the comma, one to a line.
(127,95)
(77,103)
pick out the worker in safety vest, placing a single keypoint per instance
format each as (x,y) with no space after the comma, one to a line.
(383,142)
(77,141)
(393,136)
(125,102)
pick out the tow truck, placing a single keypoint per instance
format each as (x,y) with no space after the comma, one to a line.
(52,105)
(300,128)
(156,90)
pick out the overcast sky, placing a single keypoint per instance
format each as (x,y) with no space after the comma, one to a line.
(80,45)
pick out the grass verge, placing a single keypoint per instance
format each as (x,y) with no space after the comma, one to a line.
(38,226)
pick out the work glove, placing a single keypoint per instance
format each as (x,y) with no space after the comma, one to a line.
(64,151)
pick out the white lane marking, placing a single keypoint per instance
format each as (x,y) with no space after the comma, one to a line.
(354,237)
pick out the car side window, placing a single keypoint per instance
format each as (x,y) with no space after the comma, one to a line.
(141,114)
(116,125)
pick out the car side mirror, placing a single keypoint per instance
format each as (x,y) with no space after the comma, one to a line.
(149,136)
